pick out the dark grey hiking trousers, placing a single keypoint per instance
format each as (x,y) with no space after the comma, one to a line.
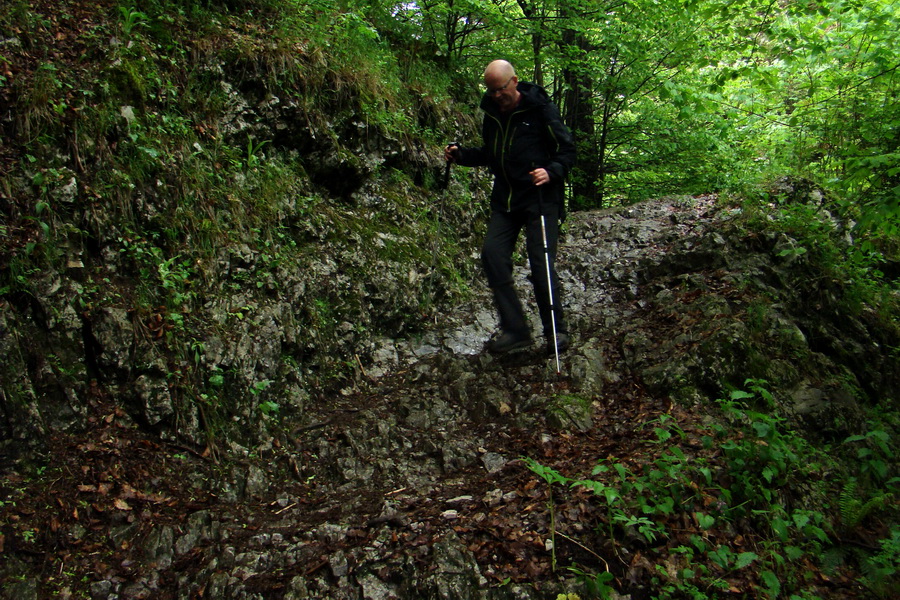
(496,257)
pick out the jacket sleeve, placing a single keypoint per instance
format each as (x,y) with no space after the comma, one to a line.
(476,157)
(472,157)
(561,144)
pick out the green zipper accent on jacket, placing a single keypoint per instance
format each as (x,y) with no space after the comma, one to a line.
(553,136)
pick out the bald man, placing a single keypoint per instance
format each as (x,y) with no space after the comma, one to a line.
(530,152)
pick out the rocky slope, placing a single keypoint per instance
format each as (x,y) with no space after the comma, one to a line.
(412,480)
(235,362)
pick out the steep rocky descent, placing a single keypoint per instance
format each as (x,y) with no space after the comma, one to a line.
(410,482)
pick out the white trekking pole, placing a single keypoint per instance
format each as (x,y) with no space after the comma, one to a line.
(549,279)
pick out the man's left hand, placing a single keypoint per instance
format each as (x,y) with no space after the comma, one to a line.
(539,176)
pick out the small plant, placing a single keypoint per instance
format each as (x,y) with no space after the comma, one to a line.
(874,453)
(217,378)
(765,460)
(644,526)
(728,560)
(570,597)
(251,159)
(597,585)
(550,476)
(260,386)
(175,277)
(269,408)
(131,18)
(746,467)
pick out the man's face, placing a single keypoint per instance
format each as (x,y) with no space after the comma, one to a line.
(502,90)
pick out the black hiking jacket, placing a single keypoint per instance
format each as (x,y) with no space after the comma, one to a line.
(532,135)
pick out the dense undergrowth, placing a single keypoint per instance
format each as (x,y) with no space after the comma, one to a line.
(124,144)
(745,502)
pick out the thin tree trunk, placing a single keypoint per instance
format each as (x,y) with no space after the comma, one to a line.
(579,116)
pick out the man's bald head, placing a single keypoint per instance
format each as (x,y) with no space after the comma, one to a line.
(499,69)
(501,83)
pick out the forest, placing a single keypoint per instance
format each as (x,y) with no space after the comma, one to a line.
(230,245)
(756,88)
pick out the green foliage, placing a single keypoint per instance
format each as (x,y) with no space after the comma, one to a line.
(876,454)
(753,92)
(597,585)
(882,570)
(821,106)
(839,267)
(747,479)
(855,509)
(765,461)
(131,19)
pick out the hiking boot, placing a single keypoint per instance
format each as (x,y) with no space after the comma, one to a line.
(508,341)
(562,343)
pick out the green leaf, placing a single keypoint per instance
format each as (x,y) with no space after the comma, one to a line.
(800,519)
(667,506)
(268,407)
(780,528)
(772,583)
(595,486)
(600,469)
(721,556)
(662,435)
(549,475)
(744,558)
(611,495)
(762,429)
(793,552)
(705,521)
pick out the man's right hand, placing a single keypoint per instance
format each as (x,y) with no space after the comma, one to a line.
(450,152)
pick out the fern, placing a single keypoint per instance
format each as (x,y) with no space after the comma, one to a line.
(854,510)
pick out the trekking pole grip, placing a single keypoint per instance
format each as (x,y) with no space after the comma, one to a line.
(447,168)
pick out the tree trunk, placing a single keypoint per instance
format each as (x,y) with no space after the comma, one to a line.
(578,113)
(536,26)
